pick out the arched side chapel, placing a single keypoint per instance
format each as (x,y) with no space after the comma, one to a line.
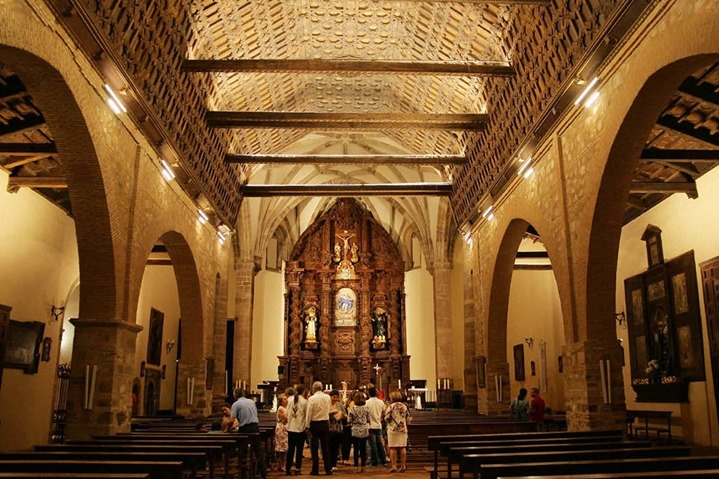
(122,208)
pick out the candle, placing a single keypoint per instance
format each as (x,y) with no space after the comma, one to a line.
(399,384)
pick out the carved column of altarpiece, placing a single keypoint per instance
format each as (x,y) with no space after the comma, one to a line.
(345,318)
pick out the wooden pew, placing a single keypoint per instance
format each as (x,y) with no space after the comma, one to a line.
(659,421)
(714,473)
(596,466)
(191,461)
(434,443)
(70,475)
(456,454)
(155,470)
(474,462)
(211,452)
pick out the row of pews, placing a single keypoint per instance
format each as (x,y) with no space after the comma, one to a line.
(563,454)
(159,450)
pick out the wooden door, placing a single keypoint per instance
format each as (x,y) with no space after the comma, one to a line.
(710,284)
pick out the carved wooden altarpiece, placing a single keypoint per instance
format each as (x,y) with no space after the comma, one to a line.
(345,303)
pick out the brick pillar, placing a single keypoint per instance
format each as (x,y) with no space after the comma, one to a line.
(442,319)
(586,408)
(110,346)
(244,291)
(470,356)
(487,398)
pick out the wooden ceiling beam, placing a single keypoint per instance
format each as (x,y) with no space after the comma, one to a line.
(27,148)
(348,159)
(16,127)
(690,188)
(384,189)
(495,2)
(16,182)
(684,127)
(24,161)
(463,68)
(686,167)
(658,154)
(331,121)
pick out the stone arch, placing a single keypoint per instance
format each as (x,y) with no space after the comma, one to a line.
(81,165)
(614,188)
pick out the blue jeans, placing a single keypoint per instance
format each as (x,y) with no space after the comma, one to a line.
(376,448)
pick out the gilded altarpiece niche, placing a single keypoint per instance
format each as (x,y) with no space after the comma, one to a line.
(345,317)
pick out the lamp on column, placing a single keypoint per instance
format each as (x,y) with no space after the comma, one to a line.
(56,312)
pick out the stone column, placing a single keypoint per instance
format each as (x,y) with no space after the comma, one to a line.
(191,398)
(244,291)
(470,355)
(586,408)
(108,348)
(219,340)
(442,319)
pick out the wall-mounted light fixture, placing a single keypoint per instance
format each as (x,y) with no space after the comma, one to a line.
(529,341)
(524,169)
(202,216)
(169,345)
(56,312)
(114,101)
(621,319)
(167,171)
(590,96)
(488,213)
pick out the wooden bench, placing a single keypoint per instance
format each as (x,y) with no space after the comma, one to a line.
(633,475)
(191,461)
(211,452)
(70,475)
(155,470)
(455,455)
(474,463)
(435,443)
(644,464)
(659,421)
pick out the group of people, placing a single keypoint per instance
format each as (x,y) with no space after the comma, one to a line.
(522,409)
(336,427)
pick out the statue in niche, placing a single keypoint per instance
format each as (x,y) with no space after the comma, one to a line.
(354,257)
(338,253)
(311,325)
(380,326)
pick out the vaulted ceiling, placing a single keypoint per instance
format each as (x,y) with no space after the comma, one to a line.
(383,100)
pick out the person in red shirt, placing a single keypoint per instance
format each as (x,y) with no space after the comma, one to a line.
(536,409)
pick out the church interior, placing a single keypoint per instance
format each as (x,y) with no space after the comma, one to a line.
(457,199)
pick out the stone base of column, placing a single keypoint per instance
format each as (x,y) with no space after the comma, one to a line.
(590,405)
(200,400)
(105,351)
(489,402)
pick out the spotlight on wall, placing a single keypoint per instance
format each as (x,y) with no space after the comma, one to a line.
(202,216)
(530,342)
(167,171)
(591,98)
(114,101)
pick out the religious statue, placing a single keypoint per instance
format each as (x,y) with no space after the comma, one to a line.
(311,325)
(354,249)
(338,253)
(346,247)
(380,325)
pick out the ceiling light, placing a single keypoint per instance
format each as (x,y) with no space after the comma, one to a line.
(114,101)
(468,237)
(202,217)
(592,98)
(586,91)
(220,238)
(167,172)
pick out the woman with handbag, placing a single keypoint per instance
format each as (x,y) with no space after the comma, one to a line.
(397,418)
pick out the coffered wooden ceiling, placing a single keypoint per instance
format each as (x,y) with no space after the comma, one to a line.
(341,92)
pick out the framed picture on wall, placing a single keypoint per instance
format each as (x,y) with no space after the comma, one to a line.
(154,337)
(519,374)
(481,372)
(22,347)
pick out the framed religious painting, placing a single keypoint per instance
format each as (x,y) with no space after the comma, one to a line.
(22,346)
(684,297)
(154,338)
(636,325)
(519,373)
(481,365)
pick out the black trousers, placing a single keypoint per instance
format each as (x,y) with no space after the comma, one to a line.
(360,446)
(256,447)
(295,445)
(335,445)
(320,438)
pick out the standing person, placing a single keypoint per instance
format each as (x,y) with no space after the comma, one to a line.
(296,413)
(536,409)
(347,431)
(318,422)
(337,415)
(376,410)
(358,417)
(519,407)
(245,411)
(281,437)
(397,418)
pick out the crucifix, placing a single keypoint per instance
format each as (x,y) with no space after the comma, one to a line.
(345,240)
(378,369)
